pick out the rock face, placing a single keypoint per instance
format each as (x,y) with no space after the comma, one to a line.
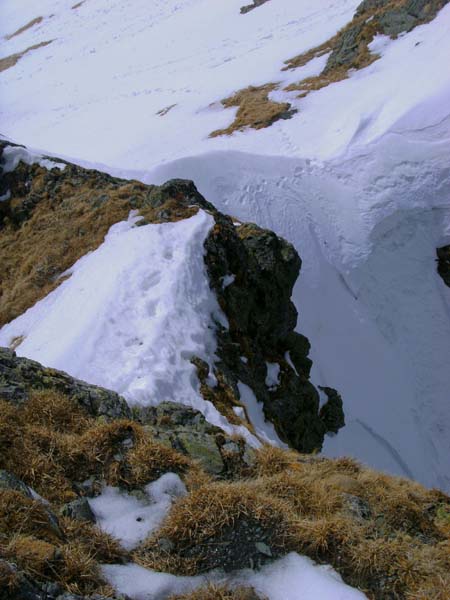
(255,4)
(62,213)
(443,266)
(18,376)
(260,270)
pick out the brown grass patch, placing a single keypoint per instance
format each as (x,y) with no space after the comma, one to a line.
(50,443)
(214,527)
(255,109)
(55,217)
(29,25)
(66,223)
(37,557)
(302,59)
(20,515)
(13,59)
(388,536)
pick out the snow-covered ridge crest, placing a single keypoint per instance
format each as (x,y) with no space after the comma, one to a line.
(131,315)
(138,311)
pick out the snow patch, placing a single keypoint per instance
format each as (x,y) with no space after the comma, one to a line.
(293,577)
(228,280)
(143,584)
(264,429)
(13,155)
(297,577)
(273,375)
(131,519)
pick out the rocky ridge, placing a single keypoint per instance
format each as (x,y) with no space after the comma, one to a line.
(65,212)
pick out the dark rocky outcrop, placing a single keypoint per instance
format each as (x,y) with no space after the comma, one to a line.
(443,263)
(349,48)
(255,4)
(262,269)
(19,376)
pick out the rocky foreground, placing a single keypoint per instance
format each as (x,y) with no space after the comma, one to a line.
(64,440)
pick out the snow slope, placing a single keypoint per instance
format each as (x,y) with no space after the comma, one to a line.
(358,180)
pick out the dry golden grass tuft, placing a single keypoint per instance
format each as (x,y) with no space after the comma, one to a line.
(25,516)
(219,592)
(255,109)
(387,536)
(54,218)
(29,25)
(13,59)
(38,557)
(334,511)
(50,443)
(199,525)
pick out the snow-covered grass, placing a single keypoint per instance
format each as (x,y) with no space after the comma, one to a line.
(122,62)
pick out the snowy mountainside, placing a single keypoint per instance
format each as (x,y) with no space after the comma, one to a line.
(359,183)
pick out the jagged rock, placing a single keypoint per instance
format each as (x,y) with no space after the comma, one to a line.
(262,318)
(443,263)
(187,431)
(19,376)
(247,544)
(332,413)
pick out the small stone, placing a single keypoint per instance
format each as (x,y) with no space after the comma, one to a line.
(78,509)
(263,548)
